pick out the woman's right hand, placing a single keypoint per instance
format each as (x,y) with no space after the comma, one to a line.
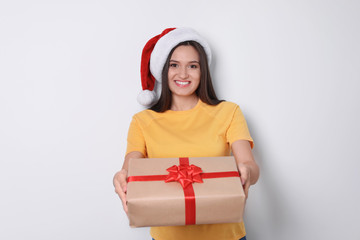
(120,177)
(120,185)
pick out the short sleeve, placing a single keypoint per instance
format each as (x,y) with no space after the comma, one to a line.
(135,139)
(238,129)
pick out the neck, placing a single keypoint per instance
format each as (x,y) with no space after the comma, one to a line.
(180,103)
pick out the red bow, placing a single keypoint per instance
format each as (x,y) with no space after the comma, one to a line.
(184,174)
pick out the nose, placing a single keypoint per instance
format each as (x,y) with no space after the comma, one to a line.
(183,72)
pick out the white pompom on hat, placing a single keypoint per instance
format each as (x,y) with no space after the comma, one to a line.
(154,56)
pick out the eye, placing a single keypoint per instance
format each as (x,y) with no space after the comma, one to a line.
(173,65)
(194,66)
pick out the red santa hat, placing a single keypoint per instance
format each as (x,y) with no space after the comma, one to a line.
(154,56)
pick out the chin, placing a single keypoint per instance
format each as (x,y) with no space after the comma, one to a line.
(190,94)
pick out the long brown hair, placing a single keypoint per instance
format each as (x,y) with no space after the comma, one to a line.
(205,91)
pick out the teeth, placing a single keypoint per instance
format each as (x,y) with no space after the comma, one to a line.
(182,83)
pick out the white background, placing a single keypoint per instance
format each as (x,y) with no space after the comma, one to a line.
(69,77)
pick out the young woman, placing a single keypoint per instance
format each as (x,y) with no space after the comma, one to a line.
(187,120)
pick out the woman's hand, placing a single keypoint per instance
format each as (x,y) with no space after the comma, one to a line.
(245,176)
(120,185)
(120,177)
(248,169)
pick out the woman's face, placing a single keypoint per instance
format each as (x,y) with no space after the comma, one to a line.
(184,71)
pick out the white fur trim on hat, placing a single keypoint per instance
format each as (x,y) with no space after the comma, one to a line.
(166,43)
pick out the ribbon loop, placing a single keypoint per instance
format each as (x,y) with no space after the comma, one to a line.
(184,174)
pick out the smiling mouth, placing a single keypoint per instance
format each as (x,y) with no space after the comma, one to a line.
(182,83)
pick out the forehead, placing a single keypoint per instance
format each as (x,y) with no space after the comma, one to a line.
(185,52)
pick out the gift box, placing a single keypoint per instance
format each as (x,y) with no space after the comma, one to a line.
(184,191)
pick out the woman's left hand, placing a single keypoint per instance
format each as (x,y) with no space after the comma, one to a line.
(245,172)
(248,169)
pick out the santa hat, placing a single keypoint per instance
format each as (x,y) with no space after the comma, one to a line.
(154,56)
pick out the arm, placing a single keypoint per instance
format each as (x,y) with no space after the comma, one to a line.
(249,170)
(119,179)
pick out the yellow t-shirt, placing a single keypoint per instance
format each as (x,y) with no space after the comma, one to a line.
(203,131)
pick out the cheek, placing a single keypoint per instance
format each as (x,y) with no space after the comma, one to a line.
(171,73)
(197,76)
(171,83)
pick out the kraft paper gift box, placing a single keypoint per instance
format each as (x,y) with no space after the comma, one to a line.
(184,191)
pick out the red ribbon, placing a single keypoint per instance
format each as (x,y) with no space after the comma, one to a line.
(186,175)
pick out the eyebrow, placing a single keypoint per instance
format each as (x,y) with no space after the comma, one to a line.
(171,60)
